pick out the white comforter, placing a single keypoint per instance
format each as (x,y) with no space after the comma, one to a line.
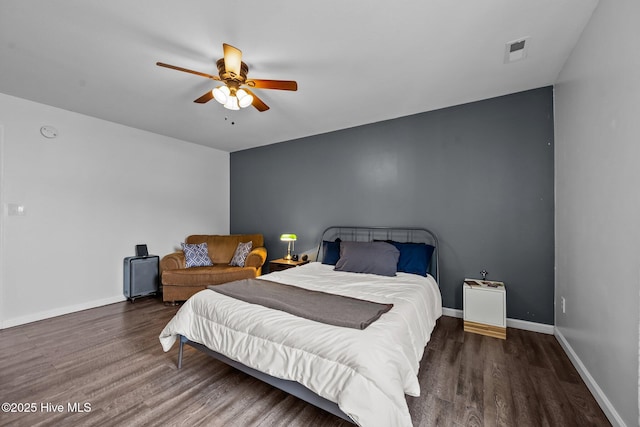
(366,372)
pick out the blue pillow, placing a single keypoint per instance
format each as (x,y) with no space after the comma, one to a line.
(368,257)
(330,252)
(414,257)
(196,255)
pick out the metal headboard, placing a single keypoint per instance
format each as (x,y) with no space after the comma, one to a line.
(398,234)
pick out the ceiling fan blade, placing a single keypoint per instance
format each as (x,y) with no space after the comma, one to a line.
(272,84)
(197,73)
(205,98)
(257,102)
(232,59)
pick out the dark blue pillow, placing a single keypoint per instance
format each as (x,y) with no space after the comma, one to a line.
(414,257)
(330,252)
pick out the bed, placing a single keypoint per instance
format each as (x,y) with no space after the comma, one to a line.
(359,375)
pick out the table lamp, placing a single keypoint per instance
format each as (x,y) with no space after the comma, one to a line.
(288,238)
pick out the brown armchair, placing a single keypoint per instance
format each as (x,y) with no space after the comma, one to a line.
(179,282)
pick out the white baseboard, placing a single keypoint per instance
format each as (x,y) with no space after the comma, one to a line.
(511,323)
(34,317)
(531,326)
(452,312)
(592,385)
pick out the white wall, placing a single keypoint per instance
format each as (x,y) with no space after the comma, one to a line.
(597,125)
(91,195)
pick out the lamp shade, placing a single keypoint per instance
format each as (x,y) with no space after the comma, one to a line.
(244,99)
(232,103)
(288,237)
(221,94)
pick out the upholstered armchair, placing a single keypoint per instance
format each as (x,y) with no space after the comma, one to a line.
(179,282)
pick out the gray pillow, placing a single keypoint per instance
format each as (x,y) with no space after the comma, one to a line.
(368,257)
(240,256)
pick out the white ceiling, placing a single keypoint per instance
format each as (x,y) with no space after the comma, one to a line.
(355,61)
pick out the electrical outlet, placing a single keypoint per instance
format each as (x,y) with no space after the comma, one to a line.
(563,305)
(14,209)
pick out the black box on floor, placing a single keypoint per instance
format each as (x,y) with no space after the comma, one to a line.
(141,276)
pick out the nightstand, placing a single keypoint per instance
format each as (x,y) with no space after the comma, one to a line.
(283,264)
(485,307)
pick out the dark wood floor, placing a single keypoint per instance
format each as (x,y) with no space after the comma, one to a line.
(110,358)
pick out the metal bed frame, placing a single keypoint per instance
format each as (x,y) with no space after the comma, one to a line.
(345,233)
(291,387)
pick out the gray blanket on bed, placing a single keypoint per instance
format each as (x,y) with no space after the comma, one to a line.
(319,306)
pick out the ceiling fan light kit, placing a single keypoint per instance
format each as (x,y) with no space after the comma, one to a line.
(233,73)
(231,98)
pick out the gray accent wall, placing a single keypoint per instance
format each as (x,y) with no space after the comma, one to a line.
(479,175)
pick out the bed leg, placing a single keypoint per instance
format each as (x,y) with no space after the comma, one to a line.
(180,353)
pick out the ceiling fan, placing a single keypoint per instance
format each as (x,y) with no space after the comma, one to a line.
(235,92)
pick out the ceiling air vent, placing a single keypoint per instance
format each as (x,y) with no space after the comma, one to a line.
(516,50)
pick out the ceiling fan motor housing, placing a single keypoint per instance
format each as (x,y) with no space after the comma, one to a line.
(230,76)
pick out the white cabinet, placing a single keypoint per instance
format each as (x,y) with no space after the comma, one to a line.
(485,307)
